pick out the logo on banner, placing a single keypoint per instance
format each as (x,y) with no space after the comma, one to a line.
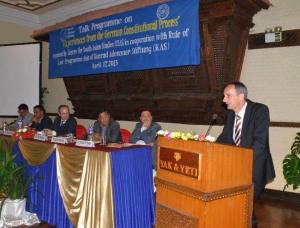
(66,34)
(163,11)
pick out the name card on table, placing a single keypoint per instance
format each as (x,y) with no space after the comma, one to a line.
(9,133)
(84,143)
(60,140)
(40,137)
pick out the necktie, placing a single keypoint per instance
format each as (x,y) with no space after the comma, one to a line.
(237,130)
(62,122)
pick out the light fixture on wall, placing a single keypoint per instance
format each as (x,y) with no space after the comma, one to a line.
(273,34)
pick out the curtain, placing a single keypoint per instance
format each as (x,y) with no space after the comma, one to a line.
(44,197)
(133,188)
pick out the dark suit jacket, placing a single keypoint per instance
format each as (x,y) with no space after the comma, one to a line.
(112,131)
(148,136)
(69,127)
(46,122)
(255,135)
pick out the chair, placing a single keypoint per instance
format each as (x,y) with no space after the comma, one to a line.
(125,135)
(80,132)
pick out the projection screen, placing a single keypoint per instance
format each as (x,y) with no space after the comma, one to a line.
(20,76)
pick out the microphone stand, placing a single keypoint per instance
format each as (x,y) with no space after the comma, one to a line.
(214,118)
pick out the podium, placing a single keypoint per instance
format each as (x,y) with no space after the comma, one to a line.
(203,184)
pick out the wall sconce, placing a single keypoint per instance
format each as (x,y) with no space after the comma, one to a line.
(273,35)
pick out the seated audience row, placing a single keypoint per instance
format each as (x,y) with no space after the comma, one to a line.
(104,128)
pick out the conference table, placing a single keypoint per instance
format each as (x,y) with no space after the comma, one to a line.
(88,187)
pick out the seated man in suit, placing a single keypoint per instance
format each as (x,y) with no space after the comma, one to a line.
(40,120)
(64,124)
(145,133)
(25,117)
(107,129)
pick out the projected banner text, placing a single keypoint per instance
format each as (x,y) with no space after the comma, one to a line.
(163,35)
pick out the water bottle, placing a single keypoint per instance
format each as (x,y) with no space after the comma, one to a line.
(103,139)
(20,124)
(4,126)
(90,133)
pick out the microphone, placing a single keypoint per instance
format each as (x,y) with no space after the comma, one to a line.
(11,123)
(214,118)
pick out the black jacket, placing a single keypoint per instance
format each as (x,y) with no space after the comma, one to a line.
(69,127)
(255,135)
(46,122)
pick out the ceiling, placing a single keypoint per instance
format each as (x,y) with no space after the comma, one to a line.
(37,6)
(41,6)
(42,13)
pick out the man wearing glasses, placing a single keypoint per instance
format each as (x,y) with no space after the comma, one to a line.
(24,118)
(64,124)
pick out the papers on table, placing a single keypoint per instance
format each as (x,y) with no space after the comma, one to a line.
(140,142)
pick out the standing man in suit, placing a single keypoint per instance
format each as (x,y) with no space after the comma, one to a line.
(64,124)
(247,125)
(106,128)
(145,133)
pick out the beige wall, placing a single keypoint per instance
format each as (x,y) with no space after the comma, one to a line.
(13,33)
(57,91)
(270,75)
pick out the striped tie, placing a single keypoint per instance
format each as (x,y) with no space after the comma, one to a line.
(237,130)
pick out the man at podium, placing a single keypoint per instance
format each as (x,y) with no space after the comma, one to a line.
(247,125)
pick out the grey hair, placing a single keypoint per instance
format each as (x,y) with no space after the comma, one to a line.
(240,88)
(63,106)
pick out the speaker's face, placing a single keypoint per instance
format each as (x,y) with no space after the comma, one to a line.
(232,99)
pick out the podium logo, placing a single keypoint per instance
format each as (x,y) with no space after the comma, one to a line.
(180,162)
(177,156)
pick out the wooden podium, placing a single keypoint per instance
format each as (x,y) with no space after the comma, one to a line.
(202,184)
